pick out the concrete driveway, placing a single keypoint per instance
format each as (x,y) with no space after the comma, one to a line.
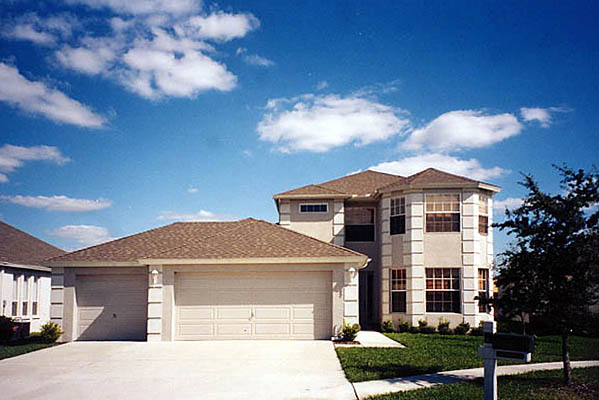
(177,370)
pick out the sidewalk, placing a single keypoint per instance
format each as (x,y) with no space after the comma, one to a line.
(372,388)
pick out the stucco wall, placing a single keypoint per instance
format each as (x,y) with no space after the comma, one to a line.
(318,225)
(442,249)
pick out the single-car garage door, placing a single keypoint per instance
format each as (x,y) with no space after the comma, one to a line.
(274,305)
(112,307)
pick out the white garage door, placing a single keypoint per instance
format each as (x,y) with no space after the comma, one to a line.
(274,305)
(112,307)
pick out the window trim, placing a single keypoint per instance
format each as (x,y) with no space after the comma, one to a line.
(451,290)
(459,212)
(404,290)
(487,291)
(345,225)
(483,214)
(313,204)
(392,214)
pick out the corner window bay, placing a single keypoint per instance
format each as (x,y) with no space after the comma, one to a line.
(443,212)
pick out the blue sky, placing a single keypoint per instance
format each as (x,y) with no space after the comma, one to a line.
(122,116)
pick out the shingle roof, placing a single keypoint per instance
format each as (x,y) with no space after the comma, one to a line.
(248,238)
(18,247)
(368,182)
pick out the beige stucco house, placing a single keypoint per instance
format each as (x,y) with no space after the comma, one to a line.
(429,237)
(247,279)
(24,282)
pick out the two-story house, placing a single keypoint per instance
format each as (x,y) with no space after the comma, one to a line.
(428,236)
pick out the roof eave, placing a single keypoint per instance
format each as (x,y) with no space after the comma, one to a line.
(473,185)
(310,196)
(360,260)
(25,266)
(84,264)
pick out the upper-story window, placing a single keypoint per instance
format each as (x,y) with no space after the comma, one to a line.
(397,222)
(314,208)
(443,212)
(483,214)
(359,224)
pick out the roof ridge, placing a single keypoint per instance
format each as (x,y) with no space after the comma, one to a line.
(443,172)
(236,225)
(307,236)
(319,185)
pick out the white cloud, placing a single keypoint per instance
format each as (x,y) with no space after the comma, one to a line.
(41,31)
(193,190)
(219,26)
(87,60)
(322,85)
(143,7)
(85,235)
(58,203)
(542,115)
(28,32)
(13,157)
(411,165)
(254,59)
(464,129)
(321,123)
(37,98)
(509,203)
(202,216)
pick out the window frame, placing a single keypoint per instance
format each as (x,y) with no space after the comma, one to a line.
(14,310)
(35,295)
(397,212)
(485,290)
(25,296)
(451,213)
(483,214)
(454,303)
(373,224)
(326,206)
(402,281)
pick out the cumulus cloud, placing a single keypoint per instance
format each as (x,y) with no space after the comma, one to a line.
(253,59)
(509,203)
(218,26)
(143,7)
(85,235)
(58,203)
(463,129)
(541,115)
(321,123)
(201,216)
(37,98)
(410,165)
(41,31)
(13,157)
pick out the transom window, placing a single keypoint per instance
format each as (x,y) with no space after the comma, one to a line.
(483,289)
(443,212)
(443,290)
(397,222)
(359,224)
(398,290)
(314,208)
(483,214)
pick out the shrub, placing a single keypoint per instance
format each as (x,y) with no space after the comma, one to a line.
(462,328)
(5,328)
(50,332)
(403,326)
(349,332)
(424,328)
(387,326)
(413,329)
(477,331)
(443,326)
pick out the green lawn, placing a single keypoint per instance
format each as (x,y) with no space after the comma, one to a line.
(16,350)
(433,353)
(540,385)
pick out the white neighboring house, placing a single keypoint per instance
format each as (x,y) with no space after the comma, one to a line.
(24,283)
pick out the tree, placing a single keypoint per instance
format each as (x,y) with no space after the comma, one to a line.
(553,267)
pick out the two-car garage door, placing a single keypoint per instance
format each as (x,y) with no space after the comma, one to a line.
(274,305)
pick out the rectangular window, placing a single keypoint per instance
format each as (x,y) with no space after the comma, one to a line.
(483,217)
(443,290)
(15,295)
(25,296)
(483,289)
(359,224)
(397,222)
(442,212)
(34,294)
(314,208)
(398,290)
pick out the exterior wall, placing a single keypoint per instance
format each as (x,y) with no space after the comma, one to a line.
(318,225)
(43,300)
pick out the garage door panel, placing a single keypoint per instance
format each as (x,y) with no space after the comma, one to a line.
(275,305)
(111,306)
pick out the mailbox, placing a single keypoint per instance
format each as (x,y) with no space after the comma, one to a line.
(511,346)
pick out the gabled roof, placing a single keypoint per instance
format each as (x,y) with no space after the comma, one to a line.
(248,238)
(18,247)
(369,183)
(360,184)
